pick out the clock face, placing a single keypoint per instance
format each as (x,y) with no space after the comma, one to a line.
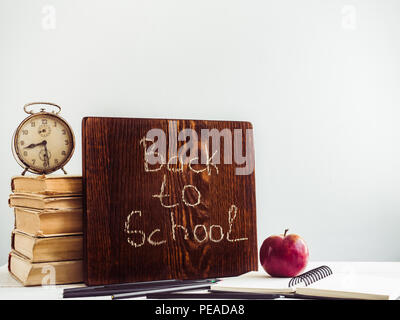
(44,143)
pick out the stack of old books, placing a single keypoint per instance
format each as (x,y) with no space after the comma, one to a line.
(46,243)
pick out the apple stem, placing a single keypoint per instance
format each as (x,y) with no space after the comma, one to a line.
(286,230)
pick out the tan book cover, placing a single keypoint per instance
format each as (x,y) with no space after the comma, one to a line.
(39,201)
(47,249)
(48,222)
(49,185)
(45,273)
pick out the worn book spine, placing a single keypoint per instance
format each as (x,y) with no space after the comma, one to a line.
(72,185)
(47,223)
(47,273)
(47,249)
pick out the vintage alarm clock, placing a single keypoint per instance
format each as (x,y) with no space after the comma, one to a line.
(43,142)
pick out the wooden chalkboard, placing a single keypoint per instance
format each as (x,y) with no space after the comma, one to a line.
(172,219)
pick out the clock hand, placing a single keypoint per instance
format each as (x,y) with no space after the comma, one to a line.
(33,145)
(46,155)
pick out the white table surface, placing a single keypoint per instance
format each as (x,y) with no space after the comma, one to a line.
(12,289)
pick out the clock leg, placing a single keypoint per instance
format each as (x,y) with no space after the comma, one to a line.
(23,172)
(65,172)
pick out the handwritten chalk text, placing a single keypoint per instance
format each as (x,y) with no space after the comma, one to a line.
(200,233)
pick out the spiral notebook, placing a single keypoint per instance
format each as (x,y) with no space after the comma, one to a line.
(320,282)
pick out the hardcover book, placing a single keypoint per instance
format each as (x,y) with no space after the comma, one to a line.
(167,199)
(44,273)
(42,202)
(47,249)
(48,222)
(50,184)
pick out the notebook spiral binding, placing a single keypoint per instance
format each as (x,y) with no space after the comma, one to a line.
(311,276)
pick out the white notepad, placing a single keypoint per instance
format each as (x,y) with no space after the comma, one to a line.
(339,285)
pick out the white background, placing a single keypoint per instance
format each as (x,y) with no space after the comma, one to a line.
(319,80)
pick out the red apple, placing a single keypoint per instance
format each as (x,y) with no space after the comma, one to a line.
(284,255)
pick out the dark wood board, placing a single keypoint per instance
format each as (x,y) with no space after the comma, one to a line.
(202,225)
